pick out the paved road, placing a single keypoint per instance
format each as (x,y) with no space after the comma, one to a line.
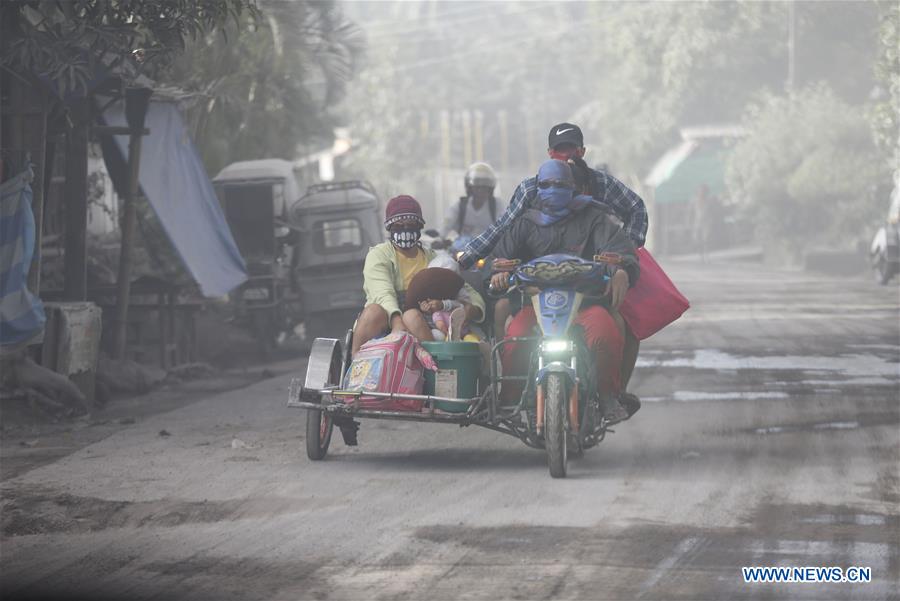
(769,437)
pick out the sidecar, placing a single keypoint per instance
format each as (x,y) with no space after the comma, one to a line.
(558,409)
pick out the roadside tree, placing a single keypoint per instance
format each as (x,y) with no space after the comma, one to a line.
(807,172)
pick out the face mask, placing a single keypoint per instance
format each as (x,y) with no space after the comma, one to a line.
(554,199)
(556,203)
(405,238)
(562,156)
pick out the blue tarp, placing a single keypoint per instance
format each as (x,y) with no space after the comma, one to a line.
(21,313)
(176,184)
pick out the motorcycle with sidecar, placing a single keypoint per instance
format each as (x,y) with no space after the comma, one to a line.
(559,409)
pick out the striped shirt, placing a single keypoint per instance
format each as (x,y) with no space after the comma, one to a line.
(609,192)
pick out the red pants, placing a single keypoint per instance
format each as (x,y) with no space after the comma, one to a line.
(601,334)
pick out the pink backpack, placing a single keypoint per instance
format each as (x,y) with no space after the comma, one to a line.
(394,363)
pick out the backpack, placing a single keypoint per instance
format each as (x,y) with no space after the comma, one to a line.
(464,205)
(394,363)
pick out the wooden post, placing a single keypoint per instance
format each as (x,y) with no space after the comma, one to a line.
(136,105)
(76,203)
(36,142)
(504,141)
(123,280)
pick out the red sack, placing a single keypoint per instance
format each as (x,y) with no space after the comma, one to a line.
(653,302)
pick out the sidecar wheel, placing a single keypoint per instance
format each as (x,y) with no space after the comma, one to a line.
(555,425)
(319,427)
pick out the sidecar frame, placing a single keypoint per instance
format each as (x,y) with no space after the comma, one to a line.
(483,410)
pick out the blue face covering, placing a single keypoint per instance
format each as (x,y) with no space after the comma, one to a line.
(556,193)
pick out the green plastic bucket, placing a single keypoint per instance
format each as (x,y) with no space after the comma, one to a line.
(458,368)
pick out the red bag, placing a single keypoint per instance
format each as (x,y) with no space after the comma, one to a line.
(653,302)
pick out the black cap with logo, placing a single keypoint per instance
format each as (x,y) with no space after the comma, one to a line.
(565,133)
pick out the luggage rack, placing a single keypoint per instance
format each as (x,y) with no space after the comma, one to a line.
(305,398)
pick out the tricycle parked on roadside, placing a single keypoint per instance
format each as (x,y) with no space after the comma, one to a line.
(304,254)
(559,409)
(338,222)
(255,197)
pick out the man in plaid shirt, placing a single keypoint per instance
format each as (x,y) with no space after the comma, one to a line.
(566,142)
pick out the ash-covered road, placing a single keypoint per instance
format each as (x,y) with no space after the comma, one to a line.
(770,436)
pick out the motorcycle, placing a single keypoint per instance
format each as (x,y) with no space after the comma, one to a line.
(559,409)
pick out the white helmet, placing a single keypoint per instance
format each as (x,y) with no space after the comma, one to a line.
(480,174)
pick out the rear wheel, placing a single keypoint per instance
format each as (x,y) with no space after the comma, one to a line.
(555,425)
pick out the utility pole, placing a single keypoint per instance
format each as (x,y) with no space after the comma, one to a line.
(503,119)
(530,136)
(445,159)
(792,26)
(479,136)
(467,138)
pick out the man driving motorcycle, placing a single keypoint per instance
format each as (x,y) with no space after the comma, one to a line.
(563,222)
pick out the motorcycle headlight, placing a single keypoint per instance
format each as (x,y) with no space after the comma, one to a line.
(557,346)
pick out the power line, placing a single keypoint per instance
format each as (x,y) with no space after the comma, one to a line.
(449,23)
(504,43)
(422,17)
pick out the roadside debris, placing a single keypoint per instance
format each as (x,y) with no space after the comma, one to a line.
(127,376)
(237,443)
(191,371)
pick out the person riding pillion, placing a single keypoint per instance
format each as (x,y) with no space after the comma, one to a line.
(388,271)
(477,210)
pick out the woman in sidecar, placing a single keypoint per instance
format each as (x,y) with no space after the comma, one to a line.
(390,269)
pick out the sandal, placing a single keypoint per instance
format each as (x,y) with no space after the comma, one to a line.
(630,402)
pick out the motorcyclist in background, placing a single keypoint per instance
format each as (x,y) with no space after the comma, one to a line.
(478,209)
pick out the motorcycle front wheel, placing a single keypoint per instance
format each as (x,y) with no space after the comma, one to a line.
(556,425)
